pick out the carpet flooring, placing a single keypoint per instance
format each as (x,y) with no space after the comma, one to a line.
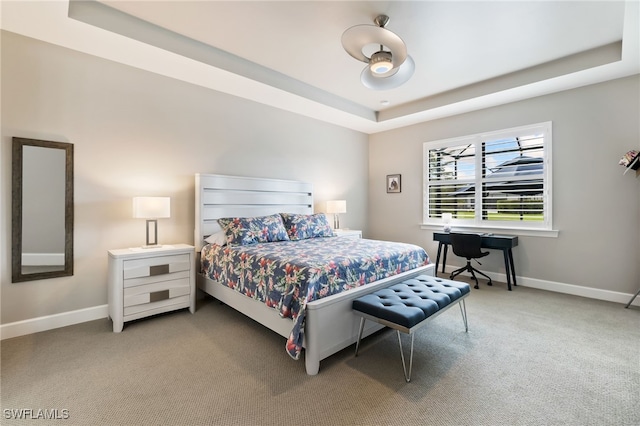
(531,357)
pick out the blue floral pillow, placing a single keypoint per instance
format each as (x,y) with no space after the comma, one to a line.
(303,226)
(241,231)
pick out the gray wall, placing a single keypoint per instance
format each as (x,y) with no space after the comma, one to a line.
(137,133)
(595,208)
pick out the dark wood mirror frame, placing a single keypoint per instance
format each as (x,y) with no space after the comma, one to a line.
(17,274)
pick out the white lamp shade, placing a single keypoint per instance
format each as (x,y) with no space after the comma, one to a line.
(337,206)
(151,207)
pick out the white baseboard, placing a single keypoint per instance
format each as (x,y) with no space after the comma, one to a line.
(591,293)
(49,322)
(576,290)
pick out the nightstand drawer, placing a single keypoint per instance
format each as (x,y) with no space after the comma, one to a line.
(155,266)
(182,301)
(156,292)
(133,282)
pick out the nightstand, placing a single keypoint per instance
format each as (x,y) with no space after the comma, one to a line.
(349,233)
(144,282)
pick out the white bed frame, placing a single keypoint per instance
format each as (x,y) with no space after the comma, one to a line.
(330,324)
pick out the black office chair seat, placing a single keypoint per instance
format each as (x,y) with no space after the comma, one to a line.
(468,246)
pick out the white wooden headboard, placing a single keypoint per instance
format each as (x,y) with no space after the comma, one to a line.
(235,196)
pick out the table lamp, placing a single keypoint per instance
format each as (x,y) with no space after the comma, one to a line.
(446,219)
(151,208)
(336,207)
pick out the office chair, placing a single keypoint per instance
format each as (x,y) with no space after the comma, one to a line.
(468,246)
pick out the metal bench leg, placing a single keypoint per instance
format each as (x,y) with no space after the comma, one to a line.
(362,320)
(463,311)
(407,376)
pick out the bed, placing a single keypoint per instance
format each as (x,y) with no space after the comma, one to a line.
(320,322)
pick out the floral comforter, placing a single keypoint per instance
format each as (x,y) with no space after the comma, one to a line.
(286,275)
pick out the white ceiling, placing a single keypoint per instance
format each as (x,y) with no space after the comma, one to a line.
(468,55)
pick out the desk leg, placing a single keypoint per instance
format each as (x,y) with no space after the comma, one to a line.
(444,257)
(506,268)
(513,269)
(438,256)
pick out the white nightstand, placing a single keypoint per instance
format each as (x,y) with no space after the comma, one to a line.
(350,233)
(144,282)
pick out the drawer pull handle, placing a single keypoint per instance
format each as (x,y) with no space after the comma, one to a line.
(157,296)
(158,270)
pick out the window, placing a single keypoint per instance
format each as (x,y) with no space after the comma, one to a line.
(499,179)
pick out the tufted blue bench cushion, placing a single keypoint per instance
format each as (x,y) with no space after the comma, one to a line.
(406,306)
(412,301)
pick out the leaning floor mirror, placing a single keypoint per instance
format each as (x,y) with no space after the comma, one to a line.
(42,209)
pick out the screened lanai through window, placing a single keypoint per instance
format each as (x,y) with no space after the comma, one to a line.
(499,179)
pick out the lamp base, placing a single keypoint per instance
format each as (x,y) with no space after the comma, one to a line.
(152,234)
(152,246)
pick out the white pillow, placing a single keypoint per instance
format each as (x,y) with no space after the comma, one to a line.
(218,238)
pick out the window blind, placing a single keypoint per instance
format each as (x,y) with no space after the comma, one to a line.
(500,178)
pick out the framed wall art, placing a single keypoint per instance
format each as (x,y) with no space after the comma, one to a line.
(393,183)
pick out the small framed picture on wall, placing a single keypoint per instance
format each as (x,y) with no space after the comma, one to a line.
(393,183)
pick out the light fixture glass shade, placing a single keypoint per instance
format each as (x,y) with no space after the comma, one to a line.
(382,82)
(151,207)
(359,36)
(381,63)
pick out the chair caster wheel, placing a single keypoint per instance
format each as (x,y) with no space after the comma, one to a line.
(489,283)
(476,287)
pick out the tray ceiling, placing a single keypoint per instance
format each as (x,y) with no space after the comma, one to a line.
(468,55)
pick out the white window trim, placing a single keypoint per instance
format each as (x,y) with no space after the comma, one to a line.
(525,232)
(542,229)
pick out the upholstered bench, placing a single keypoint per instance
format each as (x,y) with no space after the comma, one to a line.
(408,305)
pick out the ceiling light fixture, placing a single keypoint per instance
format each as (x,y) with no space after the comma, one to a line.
(380,62)
(387,68)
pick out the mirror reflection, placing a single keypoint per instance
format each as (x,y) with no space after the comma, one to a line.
(42,209)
